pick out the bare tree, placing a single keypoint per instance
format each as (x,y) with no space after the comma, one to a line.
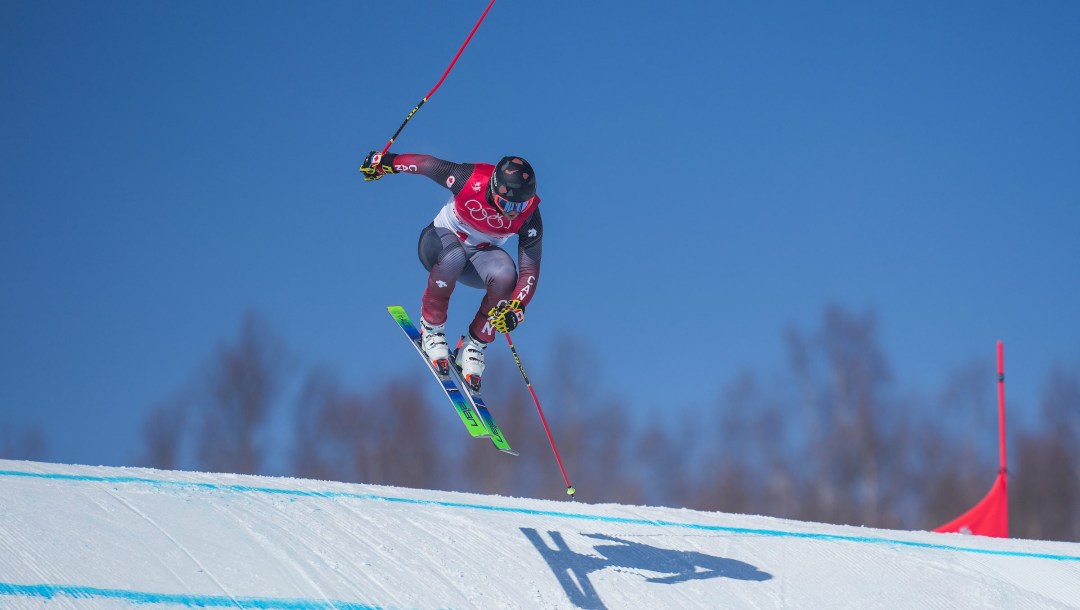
(163,434)
(241,385)
(1061,408)
(594,434)
(607,466)
(384,436)
(841,375)
(1045,488)
(317,427)
(480,467)
(26,444)
(826,439)
(959,443)
(734,449)
(667,457)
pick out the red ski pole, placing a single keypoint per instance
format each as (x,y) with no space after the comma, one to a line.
(569,488)
(438,84)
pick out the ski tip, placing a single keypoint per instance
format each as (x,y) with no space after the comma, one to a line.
(398,313)
(510,452)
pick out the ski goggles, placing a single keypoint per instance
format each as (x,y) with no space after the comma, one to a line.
(510,207)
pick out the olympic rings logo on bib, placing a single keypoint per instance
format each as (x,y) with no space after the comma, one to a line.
(494,219)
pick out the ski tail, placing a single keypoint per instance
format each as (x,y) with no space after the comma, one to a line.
(497,437)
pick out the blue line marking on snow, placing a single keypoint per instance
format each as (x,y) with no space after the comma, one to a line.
(53,591)
(540,513)
(188,600)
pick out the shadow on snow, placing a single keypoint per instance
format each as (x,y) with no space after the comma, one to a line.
(572,569)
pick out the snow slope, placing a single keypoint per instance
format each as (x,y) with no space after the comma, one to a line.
(73,536)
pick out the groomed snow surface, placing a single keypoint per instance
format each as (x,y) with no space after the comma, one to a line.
(74,536)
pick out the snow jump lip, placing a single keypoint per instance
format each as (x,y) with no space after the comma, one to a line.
(577,516)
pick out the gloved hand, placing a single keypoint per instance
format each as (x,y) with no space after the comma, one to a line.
(376,165)
(506,316)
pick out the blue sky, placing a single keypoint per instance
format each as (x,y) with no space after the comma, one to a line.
(711,174)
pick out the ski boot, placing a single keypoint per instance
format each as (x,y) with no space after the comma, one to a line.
(469,357)
(433,342)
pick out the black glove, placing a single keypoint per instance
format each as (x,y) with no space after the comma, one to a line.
(376,165)
(506,317)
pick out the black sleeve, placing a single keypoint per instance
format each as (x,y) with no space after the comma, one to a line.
(530,250)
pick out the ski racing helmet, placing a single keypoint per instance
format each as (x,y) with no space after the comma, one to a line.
(513,183)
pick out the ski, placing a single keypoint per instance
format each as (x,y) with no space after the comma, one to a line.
(497,437)
(461,403)
(470,407)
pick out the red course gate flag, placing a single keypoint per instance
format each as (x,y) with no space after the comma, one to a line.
(990,517)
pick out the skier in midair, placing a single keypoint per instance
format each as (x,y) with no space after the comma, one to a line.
(488,204)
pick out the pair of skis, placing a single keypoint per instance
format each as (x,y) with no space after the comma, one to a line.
(469,405)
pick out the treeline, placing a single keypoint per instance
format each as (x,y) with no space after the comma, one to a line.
(830,437)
